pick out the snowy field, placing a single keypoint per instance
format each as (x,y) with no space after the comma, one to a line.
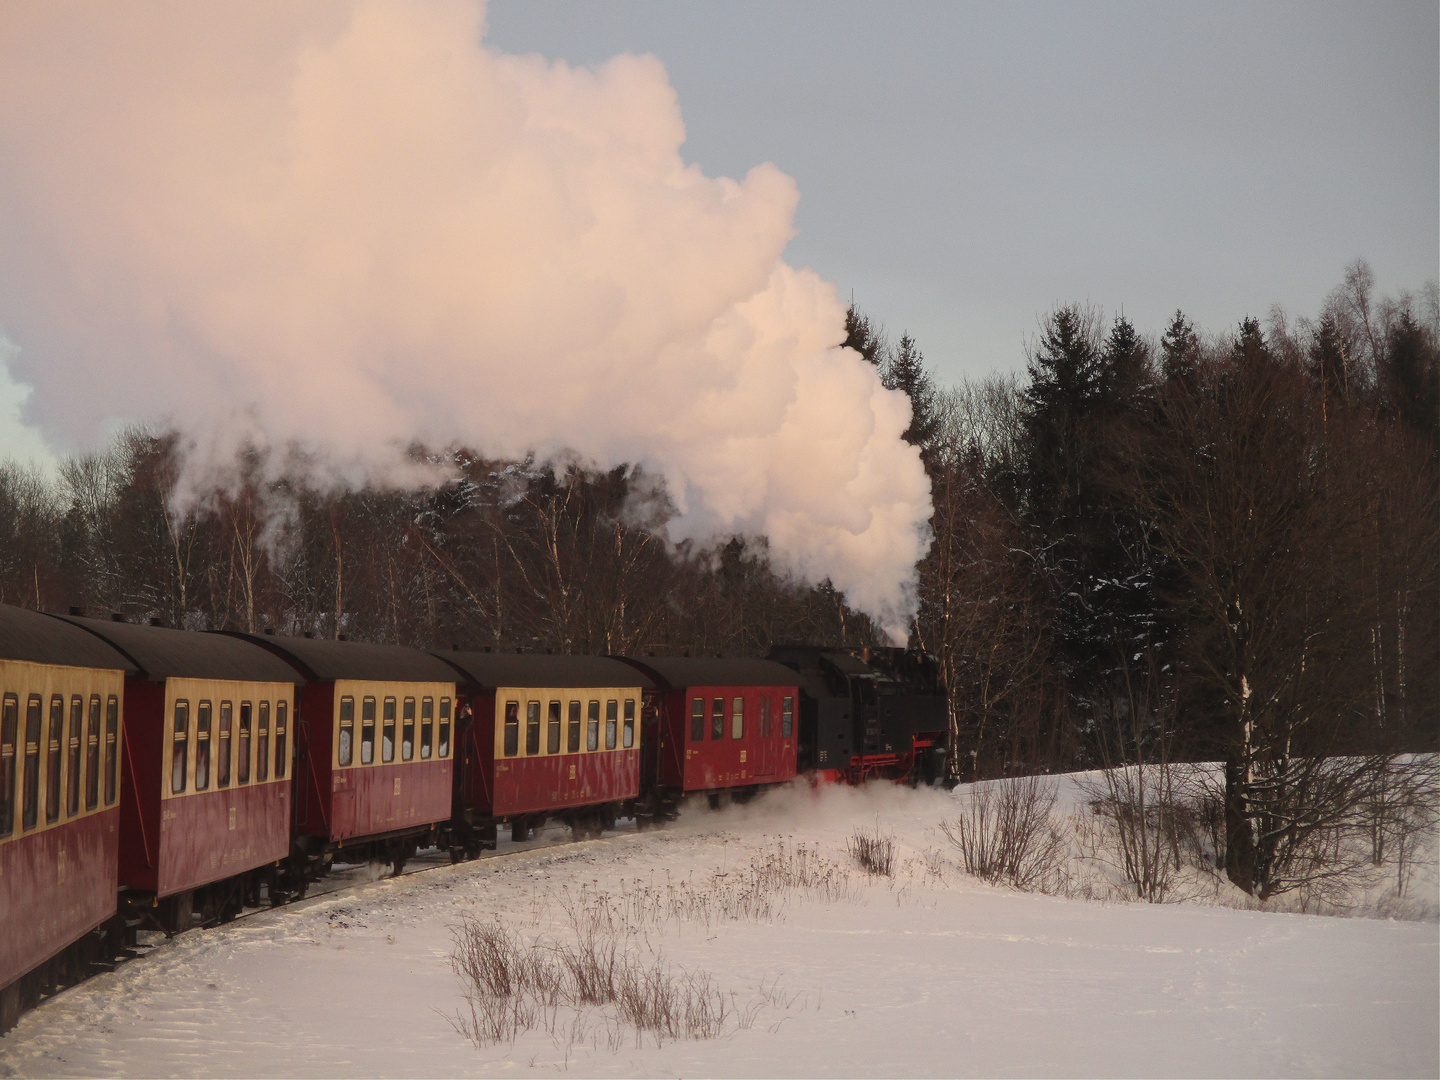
(830,972)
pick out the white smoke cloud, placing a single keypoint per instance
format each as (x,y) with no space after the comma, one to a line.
(352,226)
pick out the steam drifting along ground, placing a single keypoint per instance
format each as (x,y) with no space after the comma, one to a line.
(929,974)
(343,228)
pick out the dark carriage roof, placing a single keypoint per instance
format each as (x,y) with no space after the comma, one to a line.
(323,659)
(542,669)
(161,653)
(45,639)
(678,672)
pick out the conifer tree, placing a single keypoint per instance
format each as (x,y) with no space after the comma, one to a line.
(1413,374)
(864,336)
(1327,363)
(906,372)
(1179,350)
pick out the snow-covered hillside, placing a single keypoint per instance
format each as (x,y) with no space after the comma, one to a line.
(826,972)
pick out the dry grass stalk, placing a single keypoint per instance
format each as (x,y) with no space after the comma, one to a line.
(873,851)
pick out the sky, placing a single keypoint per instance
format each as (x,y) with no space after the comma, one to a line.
(964,168)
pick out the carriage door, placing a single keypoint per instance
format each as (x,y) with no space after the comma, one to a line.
(767,737)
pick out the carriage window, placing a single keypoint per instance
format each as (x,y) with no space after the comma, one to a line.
(629,723)
(592,726)
(30,809)
(112,749)
(387,731)
(427,728)
(737,719)
(787,718)
(262,742)
(222,765)
(764,717)
(367,731)
(72,766)
(532,727)
(444,727)
(572,743)
(92,755)
(242,750)
(552,729)
(512,728)
(407,730)
(345,745)
(180,747)
(202,746)
(717,719)
(9,724)
(612,721)
(54,757)
(697,719)
(282,710)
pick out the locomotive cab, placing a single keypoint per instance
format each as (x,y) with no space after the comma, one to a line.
(869,712)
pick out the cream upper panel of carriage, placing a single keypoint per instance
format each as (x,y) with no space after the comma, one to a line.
(390,723)
(541,721)
(224,734)
(60,730)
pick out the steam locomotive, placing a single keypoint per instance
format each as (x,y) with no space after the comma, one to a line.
(158,778)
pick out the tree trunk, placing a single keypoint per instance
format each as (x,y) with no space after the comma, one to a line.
(1239,831)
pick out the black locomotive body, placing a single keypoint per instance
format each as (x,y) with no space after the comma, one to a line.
(869,713)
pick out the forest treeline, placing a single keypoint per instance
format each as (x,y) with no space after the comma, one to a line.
(1184,547)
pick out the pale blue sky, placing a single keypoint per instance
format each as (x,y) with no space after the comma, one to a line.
(965,167)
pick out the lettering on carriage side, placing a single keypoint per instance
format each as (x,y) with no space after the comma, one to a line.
(572,770)
(234,816)
(397,785)
(60,867)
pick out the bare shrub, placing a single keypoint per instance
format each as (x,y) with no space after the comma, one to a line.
(1140,807)
(670,1004)
(591,965)
(512,986)
(1007,834)
(1402,814)
(873,851)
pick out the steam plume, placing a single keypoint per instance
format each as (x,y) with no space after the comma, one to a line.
(352,226)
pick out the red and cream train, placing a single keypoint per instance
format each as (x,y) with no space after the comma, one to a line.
(152,777)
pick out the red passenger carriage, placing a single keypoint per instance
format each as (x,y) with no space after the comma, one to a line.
(720,725)
(205,810)
(60,696)
(373,776)
(547,737)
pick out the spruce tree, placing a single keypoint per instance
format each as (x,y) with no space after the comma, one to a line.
(906,372)
(1413,375)
(1179,350)
(1327,363)
(864,336)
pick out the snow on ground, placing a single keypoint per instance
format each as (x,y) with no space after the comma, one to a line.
(929,973)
